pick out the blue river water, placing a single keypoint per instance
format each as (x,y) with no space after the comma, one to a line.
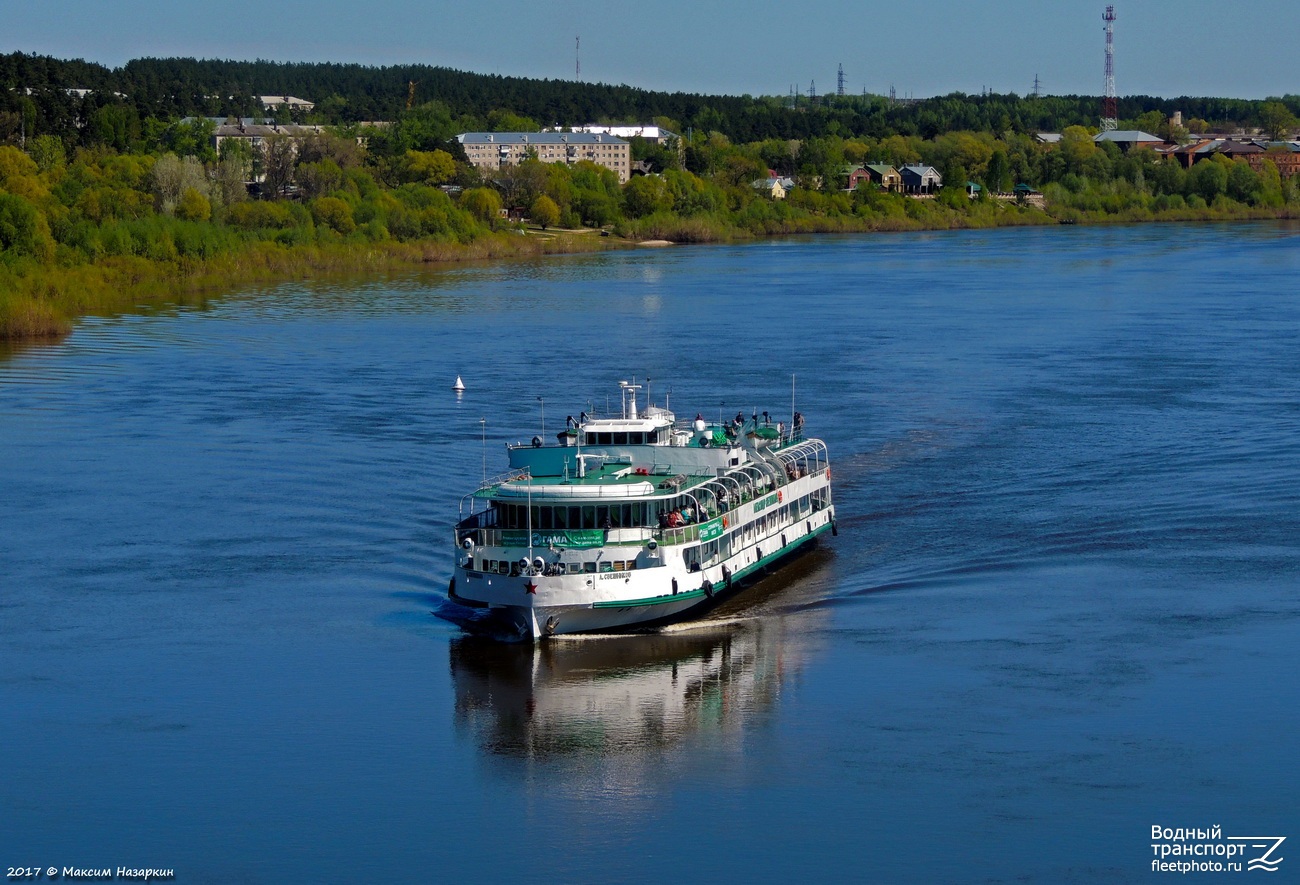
(1063,606)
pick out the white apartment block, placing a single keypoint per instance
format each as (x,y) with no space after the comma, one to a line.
(492,150)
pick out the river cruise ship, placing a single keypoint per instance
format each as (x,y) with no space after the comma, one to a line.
(636,519)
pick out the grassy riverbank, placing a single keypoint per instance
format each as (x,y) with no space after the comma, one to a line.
(42,302)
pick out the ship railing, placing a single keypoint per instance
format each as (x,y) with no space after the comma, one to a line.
(501,479)
(804,458)
(681,535)
(495,536)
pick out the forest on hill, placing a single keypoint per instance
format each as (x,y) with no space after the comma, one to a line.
(34,90)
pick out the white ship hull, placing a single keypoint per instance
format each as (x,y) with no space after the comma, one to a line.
(564,604)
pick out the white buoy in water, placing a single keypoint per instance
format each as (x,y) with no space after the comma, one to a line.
(459,386)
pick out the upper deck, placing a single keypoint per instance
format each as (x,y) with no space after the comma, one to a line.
(636,477)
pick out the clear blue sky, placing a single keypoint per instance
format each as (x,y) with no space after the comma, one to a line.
(1163,47)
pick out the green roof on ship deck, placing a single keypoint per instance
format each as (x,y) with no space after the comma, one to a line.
(605,475)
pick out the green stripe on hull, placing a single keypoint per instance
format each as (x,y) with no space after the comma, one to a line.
(652,600)
(695,594)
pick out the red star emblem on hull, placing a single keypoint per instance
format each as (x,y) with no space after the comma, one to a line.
(530,588)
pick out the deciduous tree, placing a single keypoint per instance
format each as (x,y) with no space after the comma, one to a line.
(645,195)
(483,203)
(172,176)
(278,160)
(1277,120)
(429,167)
(544,212)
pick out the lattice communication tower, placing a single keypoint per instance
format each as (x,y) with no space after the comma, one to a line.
(1109,102)
(839,88)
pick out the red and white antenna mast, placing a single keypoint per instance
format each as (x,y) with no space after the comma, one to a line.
(1109,103)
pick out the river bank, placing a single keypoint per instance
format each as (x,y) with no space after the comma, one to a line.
(42,302)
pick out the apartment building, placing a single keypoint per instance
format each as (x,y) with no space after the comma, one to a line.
(492,150)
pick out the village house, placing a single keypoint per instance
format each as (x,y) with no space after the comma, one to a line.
(1127,139)
(772,187)
(921,179)
(885,177)
(852,176)
(493,150)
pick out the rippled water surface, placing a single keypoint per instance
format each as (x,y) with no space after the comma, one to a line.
(1063,606)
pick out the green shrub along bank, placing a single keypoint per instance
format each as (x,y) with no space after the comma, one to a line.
(95,228)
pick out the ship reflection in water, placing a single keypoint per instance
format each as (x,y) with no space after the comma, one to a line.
(632,694)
